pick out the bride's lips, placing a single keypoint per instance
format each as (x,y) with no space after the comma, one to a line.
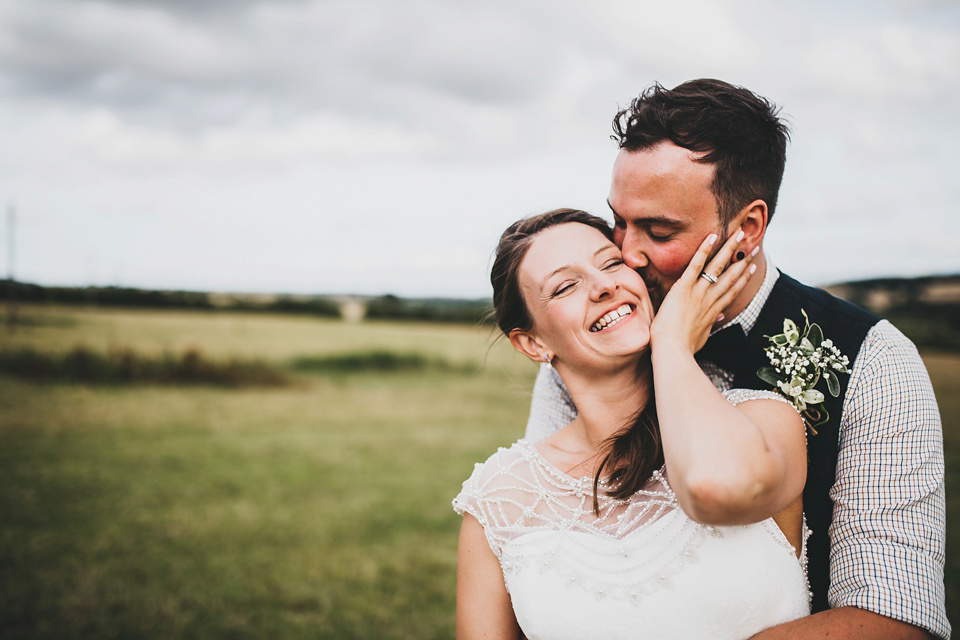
(612,316)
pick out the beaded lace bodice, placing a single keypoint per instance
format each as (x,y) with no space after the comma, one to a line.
(642,561)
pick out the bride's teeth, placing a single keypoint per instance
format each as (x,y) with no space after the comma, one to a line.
(613,316)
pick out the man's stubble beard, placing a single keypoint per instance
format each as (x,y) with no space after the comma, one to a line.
(656,290)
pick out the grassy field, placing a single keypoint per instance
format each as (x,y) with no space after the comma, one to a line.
(319,509)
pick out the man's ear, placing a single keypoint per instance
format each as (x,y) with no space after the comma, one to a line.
(529,345)
(752,220)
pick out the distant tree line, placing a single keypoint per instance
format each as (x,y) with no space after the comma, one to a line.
(387,307)
(927,309)
(153,299)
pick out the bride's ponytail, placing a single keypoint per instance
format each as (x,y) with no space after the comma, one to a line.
(632,457)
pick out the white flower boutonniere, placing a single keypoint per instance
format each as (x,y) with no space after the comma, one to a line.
(800,360)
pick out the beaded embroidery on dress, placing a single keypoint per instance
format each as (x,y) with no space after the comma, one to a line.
(641,568)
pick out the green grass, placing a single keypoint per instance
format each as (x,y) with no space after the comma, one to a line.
(127,366)
(317,510)
(320,509)
(277,338)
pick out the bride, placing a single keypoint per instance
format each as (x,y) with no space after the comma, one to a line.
(665,509)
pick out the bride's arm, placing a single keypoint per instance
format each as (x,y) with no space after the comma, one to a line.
(727,464)
(483,604)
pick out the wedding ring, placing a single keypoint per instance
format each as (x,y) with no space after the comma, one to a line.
(706,276)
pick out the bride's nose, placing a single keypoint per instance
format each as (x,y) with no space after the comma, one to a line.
(602,286)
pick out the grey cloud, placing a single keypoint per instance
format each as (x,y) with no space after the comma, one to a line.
(201,8)
(394,60)
(203,110)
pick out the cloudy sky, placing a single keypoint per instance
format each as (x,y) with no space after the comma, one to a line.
(379,146)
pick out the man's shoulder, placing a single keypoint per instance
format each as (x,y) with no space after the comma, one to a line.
(888,352)
(844,323)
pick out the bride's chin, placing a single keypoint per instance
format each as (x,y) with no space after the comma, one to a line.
(638,357)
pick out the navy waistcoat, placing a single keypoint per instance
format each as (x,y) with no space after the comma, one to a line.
(847,326)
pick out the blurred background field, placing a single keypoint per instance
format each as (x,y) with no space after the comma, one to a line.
(197,474)
(319,508)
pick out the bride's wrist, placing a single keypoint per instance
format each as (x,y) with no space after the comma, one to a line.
(670,344)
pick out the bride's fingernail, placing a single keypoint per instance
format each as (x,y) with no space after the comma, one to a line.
(740,235)
(753,269)
(755,251)
(720,317)
(711,238)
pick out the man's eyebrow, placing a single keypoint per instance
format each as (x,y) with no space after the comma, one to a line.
(662,220)
(654,219)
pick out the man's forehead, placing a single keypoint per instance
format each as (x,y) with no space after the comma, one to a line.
(662,184)
(663,160)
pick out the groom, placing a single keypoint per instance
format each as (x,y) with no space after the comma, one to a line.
(708,157)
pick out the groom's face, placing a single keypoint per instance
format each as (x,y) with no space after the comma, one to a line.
(663,208)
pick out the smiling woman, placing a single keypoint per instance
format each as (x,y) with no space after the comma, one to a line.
(544,556)
(592,291)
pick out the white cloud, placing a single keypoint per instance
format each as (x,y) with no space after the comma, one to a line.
(905,63)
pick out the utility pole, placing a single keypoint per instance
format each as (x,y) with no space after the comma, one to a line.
(11,261)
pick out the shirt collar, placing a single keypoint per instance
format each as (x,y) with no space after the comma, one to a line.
(748,317)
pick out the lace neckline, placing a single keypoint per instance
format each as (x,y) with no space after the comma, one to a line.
(553,469)
(579,483)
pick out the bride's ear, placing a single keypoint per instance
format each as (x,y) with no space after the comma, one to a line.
(529,345)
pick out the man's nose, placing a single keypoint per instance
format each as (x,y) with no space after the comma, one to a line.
(634,254)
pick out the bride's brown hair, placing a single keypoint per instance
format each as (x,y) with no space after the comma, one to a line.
(633,454)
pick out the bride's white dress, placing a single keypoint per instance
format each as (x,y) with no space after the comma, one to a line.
(642,569)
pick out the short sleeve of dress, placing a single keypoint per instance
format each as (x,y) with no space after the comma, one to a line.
(468,500)
(491,495)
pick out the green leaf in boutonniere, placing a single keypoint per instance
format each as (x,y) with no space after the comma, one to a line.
(799,360)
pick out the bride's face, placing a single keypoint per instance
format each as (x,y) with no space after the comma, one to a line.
(588,307)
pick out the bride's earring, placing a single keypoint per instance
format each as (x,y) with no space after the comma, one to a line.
(547,360)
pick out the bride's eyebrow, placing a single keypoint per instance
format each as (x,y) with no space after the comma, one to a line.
(596,253)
